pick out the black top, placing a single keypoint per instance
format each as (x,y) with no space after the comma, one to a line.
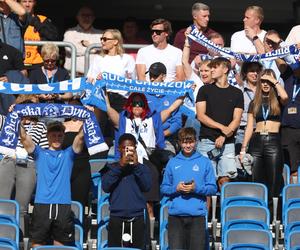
(10,58)
(259,116)
(37,76)
(220,105)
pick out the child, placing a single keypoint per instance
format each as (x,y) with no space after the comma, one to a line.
(188,179)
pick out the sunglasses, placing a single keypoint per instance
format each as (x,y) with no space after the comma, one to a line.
(50,60)
(104,39)
(138,104)
(266,82)
(157,32)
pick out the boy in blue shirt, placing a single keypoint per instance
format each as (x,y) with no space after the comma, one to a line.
(188,179)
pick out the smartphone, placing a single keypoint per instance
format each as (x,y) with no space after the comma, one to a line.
(214,154)
(129,150)
(188,182)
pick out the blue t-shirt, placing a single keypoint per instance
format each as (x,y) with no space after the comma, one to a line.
(53,175)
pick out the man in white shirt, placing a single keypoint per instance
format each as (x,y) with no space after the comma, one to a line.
(160,51)
(82,35)
(244,41)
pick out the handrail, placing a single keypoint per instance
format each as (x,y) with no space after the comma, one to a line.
(97,45)
(60,44)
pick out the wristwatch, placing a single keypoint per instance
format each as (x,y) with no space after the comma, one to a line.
(254,38)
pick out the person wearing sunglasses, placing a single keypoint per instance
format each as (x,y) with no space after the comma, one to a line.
(264,142)
(50,72)
(160,51)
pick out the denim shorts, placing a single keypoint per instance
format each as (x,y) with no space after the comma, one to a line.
(226,164)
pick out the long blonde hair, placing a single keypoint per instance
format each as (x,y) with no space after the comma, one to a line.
(272,99)
(116,34)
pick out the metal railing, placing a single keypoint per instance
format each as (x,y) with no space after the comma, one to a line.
(60,44)
(97,45)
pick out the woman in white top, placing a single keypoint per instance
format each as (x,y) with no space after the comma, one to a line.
(112,59)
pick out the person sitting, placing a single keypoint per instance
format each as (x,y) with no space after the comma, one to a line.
(126,180)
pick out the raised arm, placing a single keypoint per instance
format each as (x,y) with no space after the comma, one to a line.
(187,68)
(78,141)
(16,7)
(26,140)
(112,113)
(165,114)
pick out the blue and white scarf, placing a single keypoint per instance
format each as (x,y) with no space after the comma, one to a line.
(200,38)
(92,132)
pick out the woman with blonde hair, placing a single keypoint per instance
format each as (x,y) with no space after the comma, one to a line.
(265,144)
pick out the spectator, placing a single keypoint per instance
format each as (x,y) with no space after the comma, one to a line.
(244,41)
(265,146)
(188,180)
(82,35)
(13,17)
(130,33)
(219,109)
(11,66)
(126,180)
(52,214)
(40,28)
(294,35)
(160,51)
(290,126)
(50,73)
(18,175)
(250,72)
(201,16)
(112,59)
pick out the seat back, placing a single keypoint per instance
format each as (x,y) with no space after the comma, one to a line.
(10,208)
(244,189)
(247,247)
(286,174)
(55,248)
(10,231)
(164,241)
(103,213)
(102,237)
(78,236)
(293,240)
(290,198)
(78,211)
(248,236)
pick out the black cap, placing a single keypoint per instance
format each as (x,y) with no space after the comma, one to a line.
(156,69)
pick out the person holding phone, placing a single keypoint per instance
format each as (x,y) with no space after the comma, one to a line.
(188,179)
(126,180)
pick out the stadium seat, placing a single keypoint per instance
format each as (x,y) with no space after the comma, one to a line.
(9,211)
(103,213)
(245,217)
(293,241)
(258,237)
(290,198)
(78,212)
(286,173)
(55,248)
(78,236)
(247,247)
(9,234)
(163,242)
(102,237)
(119,248)
(244,193)
(4,246)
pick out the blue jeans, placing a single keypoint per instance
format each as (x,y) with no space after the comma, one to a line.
(225,165)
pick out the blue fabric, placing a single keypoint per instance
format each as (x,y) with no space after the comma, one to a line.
(125,185)
(92,132)
(181,168)
(54,170)
(160,103)
(198,37)
(13,31)
(157,124)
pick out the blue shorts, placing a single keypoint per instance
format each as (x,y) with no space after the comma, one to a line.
(226,164)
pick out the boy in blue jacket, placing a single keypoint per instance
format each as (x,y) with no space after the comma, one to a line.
(188,179)
(126,180)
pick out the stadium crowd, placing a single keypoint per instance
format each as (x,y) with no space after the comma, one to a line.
(245,126)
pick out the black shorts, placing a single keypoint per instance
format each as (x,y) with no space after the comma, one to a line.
(57,224)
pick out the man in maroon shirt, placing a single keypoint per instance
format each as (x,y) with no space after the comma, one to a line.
(201,15)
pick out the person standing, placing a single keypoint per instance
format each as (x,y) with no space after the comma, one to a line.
(219,108)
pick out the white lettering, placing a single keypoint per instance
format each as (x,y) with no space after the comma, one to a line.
(18,87)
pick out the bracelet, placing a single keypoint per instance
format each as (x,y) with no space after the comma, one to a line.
(188,46)
(254,38)
(276,83)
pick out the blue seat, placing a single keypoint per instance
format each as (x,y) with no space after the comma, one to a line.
(4,246)
(164,242)
(258,237)
(9,211)
(78,212)
(102,237)
(286,173)
(55,248)
(9,234)
(103,213)
(293,240)
(247,247)
(290,198)
(78,236)
(120,248)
